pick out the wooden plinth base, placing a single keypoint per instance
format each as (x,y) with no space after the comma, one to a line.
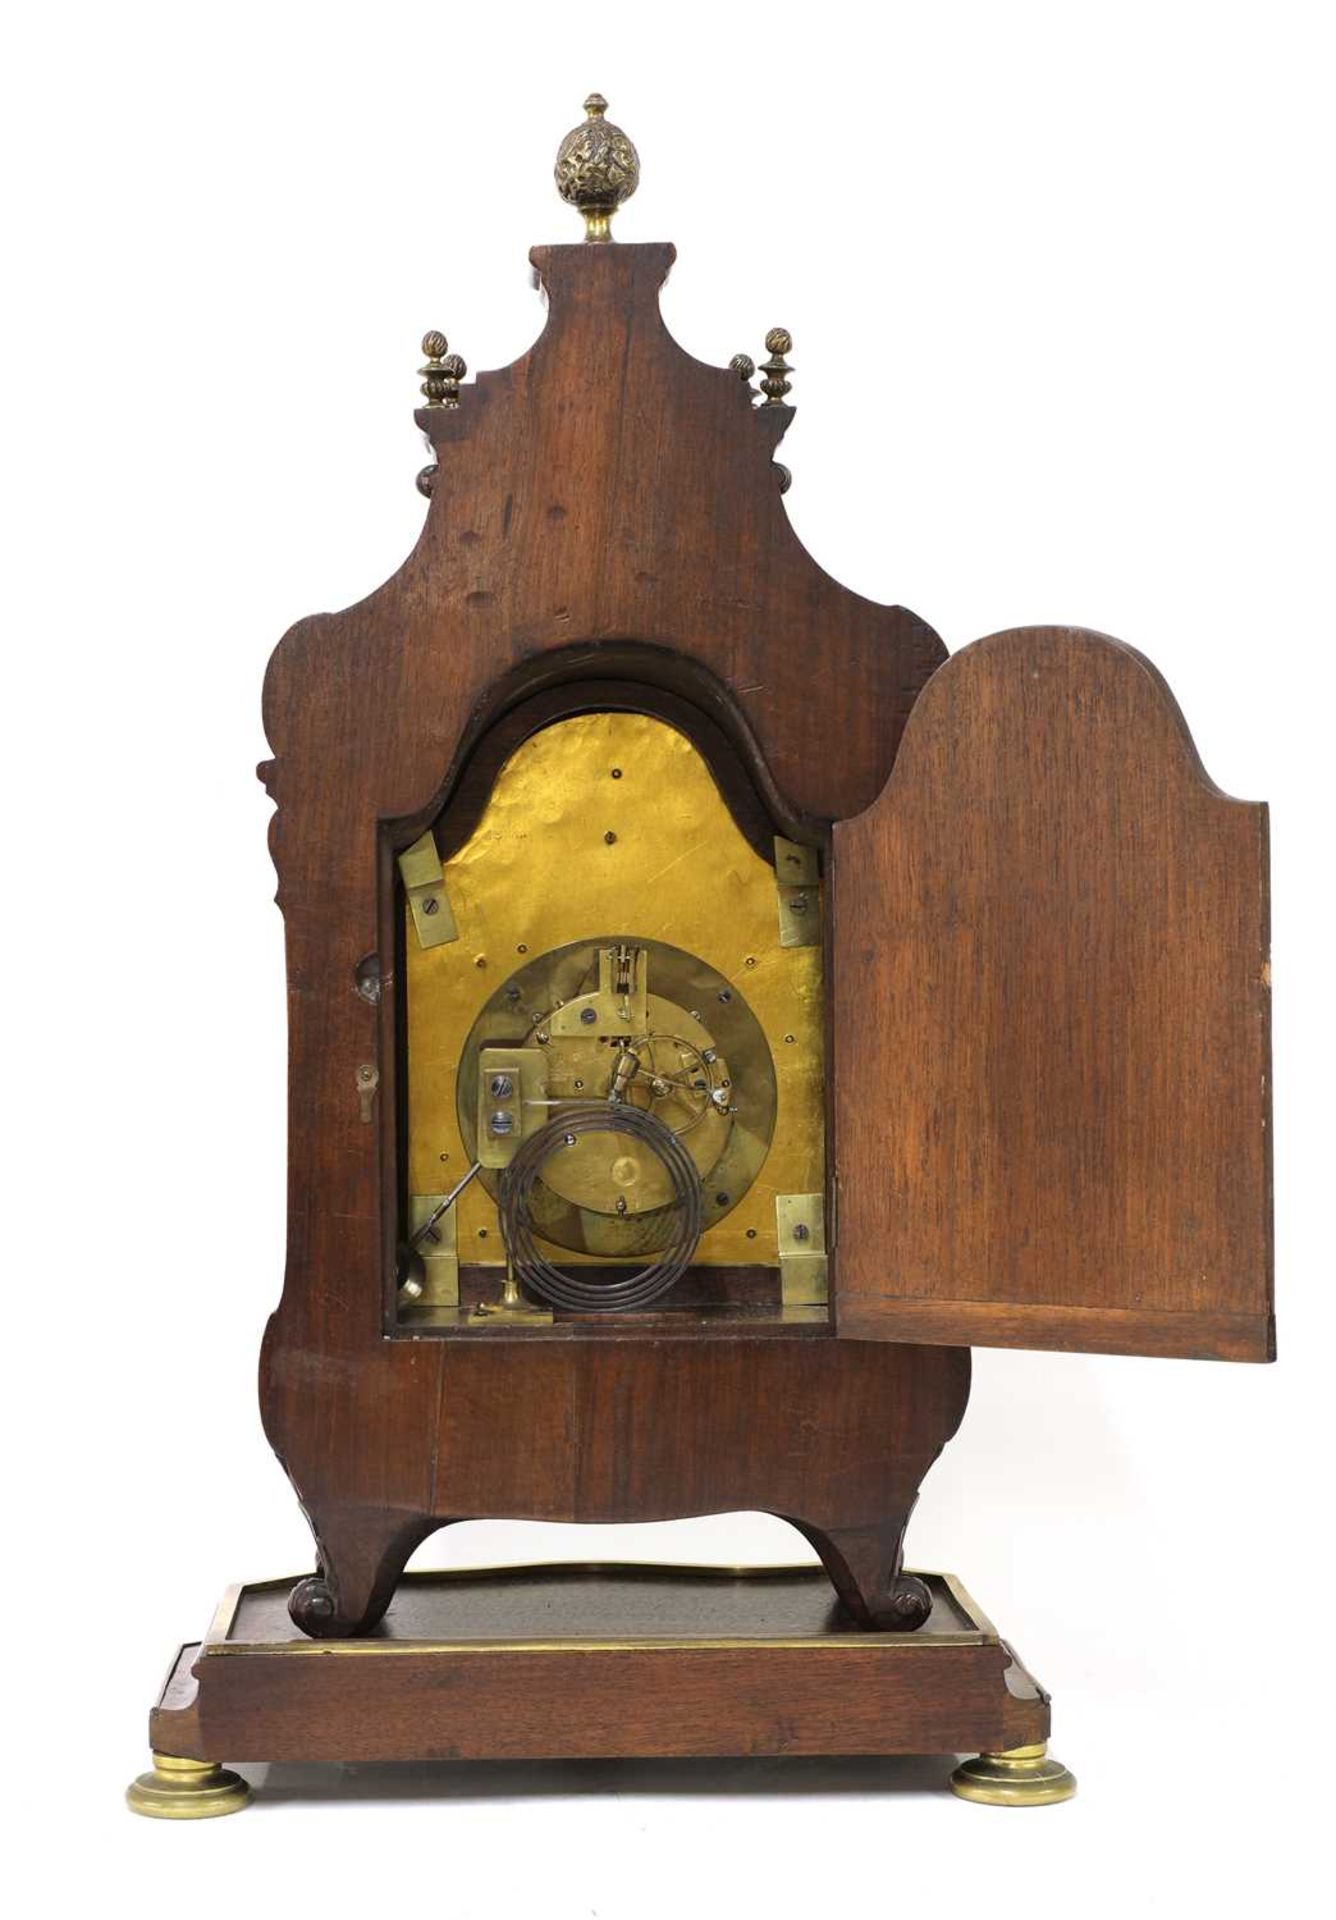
(597,1662)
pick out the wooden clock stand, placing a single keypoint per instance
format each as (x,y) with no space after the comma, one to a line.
(712,1012)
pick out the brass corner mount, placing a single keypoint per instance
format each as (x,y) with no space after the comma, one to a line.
(597,168)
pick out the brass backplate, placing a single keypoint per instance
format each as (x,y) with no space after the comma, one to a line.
(613,822)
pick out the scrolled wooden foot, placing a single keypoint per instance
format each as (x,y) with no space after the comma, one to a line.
(910,1603)
(186,1790)
(314,1609)
(864,1567)
(361,1557)
(1018,1777)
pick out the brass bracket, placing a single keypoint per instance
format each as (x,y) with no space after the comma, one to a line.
(798,883)
(424,886)
(800,1222)
(620,1006)
(438,1250)
(512,1086)
(511,1308)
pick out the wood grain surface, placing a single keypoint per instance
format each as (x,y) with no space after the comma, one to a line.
(1051,1021)
(1047,938)
(606,511)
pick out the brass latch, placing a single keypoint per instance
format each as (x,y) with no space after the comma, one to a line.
(800,1222)
(424,885)
(798,882)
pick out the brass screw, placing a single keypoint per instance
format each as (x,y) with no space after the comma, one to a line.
(776,369)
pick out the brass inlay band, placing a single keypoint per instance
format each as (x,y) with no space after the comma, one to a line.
(981,1632)
(833,1642)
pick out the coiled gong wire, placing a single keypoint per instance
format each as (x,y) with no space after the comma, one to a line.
(519,1179)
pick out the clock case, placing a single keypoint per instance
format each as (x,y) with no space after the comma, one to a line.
(1045,956)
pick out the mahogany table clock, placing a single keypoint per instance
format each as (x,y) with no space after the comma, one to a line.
(712,1012)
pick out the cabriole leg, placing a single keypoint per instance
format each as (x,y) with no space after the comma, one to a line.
(362,1554)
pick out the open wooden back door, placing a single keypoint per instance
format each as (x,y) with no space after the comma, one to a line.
(1051,1032)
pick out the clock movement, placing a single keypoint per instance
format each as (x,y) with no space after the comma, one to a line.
(712,1011)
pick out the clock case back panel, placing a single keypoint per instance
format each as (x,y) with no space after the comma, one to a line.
(606,509)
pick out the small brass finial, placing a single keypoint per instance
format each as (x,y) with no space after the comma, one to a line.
(743,366)
(776,369)
(597,168)
(443,372)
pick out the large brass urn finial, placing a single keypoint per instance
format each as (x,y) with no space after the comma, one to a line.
(597,168)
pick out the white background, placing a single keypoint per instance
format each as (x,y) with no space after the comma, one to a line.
(1059,279)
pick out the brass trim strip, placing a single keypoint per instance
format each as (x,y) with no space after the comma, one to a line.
(835,1643)
(224,1615)
(219,1641)
(969,1606)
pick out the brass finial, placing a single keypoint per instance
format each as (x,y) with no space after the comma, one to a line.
(443,372)
(776,369)
(597,168)
(743,366)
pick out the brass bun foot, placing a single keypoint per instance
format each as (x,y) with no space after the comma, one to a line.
(186,1790)
(1020,1777)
